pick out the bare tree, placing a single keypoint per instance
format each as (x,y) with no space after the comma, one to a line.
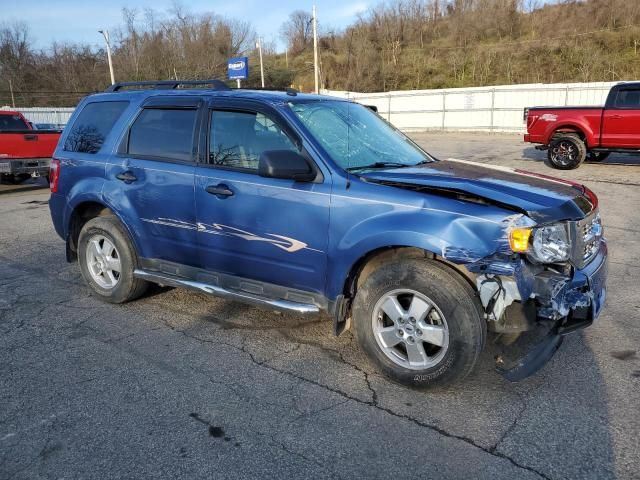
(297,31)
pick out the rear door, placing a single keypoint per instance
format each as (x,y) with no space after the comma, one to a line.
(266,229)
(621,120)
(151,178)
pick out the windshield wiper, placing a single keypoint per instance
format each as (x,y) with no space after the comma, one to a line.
(376,165)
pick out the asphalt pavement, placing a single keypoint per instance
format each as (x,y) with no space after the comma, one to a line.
(180,385)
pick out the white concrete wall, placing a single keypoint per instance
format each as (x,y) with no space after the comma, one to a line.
(498,108)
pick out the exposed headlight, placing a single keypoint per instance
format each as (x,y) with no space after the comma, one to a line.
(550,244)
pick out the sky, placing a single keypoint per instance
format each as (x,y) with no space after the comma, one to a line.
(79,21)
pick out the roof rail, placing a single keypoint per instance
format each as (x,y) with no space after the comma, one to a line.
(168,84)
(289,90)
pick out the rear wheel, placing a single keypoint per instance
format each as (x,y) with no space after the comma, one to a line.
(420,322)
(567,151)
(107,260)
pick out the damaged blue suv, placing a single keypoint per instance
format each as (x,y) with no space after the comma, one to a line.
(312,204)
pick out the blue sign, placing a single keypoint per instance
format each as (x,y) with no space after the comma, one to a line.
(238,68)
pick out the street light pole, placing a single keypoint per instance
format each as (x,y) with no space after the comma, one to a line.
(315,52)
(105,34)
(259,45)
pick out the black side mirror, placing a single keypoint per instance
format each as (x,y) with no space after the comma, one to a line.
(285,164)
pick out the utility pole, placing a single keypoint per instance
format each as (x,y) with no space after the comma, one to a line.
(315,52)
(105,34)
(259,45)
(13,100)
(286,56)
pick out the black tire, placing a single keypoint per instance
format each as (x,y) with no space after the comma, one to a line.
(454,298)
(566,151)
(127,287)
(597,156)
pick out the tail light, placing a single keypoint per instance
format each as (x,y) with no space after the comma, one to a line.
(54,174)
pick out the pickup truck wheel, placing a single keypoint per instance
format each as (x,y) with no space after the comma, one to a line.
(420,322)
(107,260)
(597,156)
(567,151)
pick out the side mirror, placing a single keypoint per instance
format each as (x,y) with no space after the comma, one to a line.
(285,164)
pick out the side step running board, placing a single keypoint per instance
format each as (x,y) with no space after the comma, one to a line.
(276,304)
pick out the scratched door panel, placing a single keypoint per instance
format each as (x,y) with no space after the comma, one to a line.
(271,230)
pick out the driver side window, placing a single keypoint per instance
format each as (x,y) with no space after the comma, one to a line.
(238,138)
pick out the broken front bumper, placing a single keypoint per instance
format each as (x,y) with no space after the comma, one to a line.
(564,304)
(580,296)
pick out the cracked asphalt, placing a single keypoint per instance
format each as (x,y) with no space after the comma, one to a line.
(180,385)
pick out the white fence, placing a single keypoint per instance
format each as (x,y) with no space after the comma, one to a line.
(58,116)
(498,108)
(493,109)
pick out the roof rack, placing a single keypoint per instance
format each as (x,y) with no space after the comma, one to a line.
(289,90)
(168,84)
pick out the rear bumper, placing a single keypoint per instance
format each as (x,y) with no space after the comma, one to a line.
(57,204)
(533,138)
(25,165)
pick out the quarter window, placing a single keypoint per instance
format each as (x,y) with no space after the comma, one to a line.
(237,139)
(92,126)
(163,133)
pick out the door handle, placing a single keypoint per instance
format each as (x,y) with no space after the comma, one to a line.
(220,190)
(617,117)
(126,177)
(30,137)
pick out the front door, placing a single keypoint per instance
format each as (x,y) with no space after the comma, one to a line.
(621,120)
(265,229)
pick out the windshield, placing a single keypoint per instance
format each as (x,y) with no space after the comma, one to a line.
(355,137)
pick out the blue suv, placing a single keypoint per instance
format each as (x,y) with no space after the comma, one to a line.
(313,204)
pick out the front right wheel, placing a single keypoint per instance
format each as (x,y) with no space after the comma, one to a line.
(420,321)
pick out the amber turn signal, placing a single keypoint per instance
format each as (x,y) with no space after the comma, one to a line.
(519,239)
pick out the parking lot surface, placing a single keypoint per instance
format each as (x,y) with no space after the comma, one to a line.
(180,385)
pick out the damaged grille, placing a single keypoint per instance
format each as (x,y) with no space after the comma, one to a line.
(586,236)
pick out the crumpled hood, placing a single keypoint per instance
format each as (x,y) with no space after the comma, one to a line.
(544,199)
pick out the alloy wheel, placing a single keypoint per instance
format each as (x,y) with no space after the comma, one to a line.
(103,262)
(410,329)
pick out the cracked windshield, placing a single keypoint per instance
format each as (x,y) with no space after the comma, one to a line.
(356,138)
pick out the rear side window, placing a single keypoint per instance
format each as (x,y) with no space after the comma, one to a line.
(93,125)
(163,133)
(11,122)
(628,99)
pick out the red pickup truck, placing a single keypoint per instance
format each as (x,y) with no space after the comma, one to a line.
(24,151)
(573,134)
